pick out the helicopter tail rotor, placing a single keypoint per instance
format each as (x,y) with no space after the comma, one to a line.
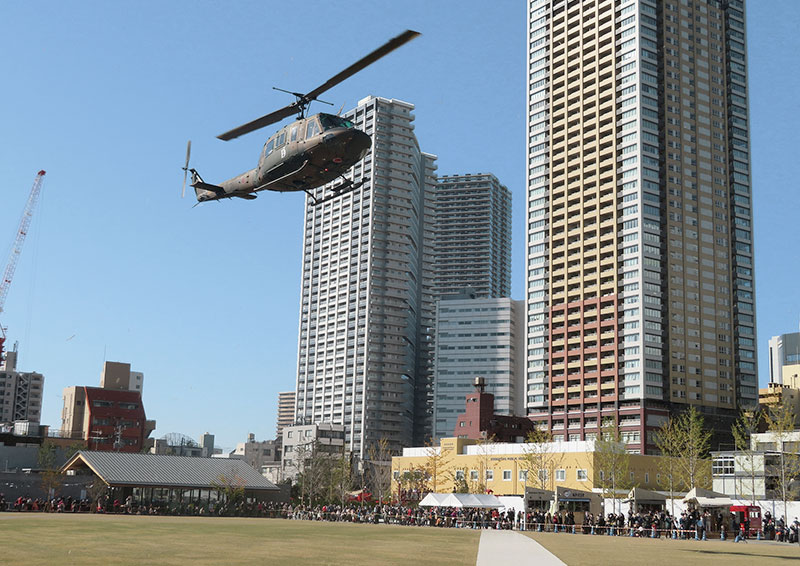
(186,167)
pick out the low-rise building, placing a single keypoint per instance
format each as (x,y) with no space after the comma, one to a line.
(264,456)
(755,473)
(109,417)
(781,395)
(479,420)
(301,442)
(504,469)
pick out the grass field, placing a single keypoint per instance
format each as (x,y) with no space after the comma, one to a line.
(53,539)
(577,550)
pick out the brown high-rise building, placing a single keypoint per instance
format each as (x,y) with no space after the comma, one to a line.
(639,255)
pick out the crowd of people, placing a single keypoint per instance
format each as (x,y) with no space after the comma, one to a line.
(653,523)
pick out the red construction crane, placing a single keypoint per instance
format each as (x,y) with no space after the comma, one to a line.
(19,240)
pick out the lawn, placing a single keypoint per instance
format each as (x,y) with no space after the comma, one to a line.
(576,550)
(48,539)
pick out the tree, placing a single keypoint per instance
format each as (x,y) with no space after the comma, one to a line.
(540,459)
(743,429)
(230,486)
(685,442)
(51,477)
(380,469)
(613,461)
(313,464)
(436,463)
(340,479)
(668,443)
(483,458)
(780,422)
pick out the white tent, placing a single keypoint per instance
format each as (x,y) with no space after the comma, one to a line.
(434,500)
(473,500)
(707,498)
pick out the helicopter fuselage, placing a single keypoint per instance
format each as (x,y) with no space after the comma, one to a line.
(302,155)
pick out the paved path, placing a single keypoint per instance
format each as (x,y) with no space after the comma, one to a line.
(509,547)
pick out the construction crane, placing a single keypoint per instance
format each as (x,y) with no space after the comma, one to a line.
(19,240)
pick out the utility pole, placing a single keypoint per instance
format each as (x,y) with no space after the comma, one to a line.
(16,249)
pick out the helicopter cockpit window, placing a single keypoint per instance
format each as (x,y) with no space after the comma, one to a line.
(330,121)
(312,129)
(270,146)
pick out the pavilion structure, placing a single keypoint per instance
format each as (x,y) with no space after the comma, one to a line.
(172,480)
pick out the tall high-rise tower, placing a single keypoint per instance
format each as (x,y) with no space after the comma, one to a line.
(366,306)
(639,260)
(472,225)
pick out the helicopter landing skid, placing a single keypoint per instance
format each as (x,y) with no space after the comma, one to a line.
(346,187)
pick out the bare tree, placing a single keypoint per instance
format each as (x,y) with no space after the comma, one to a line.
(743,429)
(668,443)
(436,464)
(478,485)
(613,461)
(540,459)
(380,469)
(780,422)
(685,440)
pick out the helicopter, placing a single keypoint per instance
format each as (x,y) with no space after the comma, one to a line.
(301,156)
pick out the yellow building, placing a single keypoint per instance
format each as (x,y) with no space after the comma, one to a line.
(776,394)
(507,469)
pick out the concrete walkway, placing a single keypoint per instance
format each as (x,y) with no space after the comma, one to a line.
(509,547)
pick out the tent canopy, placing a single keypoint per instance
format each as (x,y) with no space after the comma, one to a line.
(645,496)
(707,498)
(474,500)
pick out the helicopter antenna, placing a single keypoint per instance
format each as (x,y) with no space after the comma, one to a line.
(300,105)
(301,102)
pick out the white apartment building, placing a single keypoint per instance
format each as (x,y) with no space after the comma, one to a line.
(20,392)
(363,345)
(639,259)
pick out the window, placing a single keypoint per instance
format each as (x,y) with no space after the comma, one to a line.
(459,474)
(281,139)
(506,475)
(293,135)
(561,475)
(523,475)
(582,475)
(473,475)
(312,129)
(489,475)
(270,146)
(308,433)
(544,475)
(289,433)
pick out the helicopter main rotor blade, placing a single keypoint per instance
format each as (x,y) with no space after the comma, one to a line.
(258,123)
(303,101)
(364,62)
(186,167)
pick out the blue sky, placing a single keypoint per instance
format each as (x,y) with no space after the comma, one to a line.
(204,301)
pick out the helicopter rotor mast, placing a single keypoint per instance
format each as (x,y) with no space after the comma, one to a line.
(303,100)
